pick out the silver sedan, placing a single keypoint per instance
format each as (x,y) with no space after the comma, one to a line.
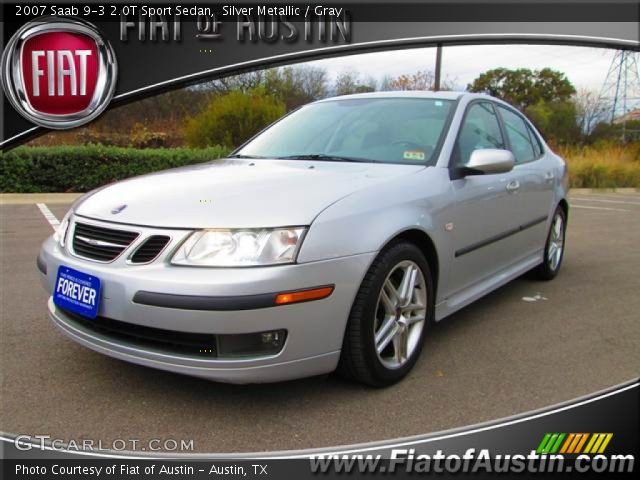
(331,240)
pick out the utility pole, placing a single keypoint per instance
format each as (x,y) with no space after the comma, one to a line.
(436,81)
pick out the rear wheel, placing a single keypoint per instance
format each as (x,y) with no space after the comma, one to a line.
(554,248)
(389,317)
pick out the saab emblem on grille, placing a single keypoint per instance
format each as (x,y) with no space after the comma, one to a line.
(59,72)
(99,243)
(118,209)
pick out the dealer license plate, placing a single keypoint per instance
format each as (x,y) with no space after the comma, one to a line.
(77,291)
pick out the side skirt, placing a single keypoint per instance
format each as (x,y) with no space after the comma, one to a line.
(487,285)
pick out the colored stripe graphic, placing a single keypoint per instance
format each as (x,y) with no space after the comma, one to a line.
(543,443)
(596,445)
(593,439)
(582,442)
(578,442)
(601,442)
(567,443)
(550,443)
(555,443)
(606,442)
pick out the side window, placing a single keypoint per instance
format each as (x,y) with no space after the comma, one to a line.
(480,129)
(518,134)
(537,146)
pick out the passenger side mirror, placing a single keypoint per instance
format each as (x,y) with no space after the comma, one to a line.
(488,161)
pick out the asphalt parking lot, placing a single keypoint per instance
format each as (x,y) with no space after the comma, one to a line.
(525,346)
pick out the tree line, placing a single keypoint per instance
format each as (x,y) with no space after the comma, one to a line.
(229,110)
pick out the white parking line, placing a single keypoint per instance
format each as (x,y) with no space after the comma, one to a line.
(573,205)
(601,200)
(604,196)
(48,215)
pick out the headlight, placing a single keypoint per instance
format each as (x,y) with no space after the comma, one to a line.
(240,248)
(61,232)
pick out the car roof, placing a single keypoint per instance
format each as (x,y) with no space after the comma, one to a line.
(444,95)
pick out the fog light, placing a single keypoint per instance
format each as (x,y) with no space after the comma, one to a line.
(251,344)
(268,337)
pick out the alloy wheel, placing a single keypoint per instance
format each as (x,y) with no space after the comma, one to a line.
(400,314)
(556,242)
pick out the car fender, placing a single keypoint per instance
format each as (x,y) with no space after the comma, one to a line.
(367,220)
(560,183)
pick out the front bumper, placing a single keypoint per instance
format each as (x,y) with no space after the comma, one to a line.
(314,329)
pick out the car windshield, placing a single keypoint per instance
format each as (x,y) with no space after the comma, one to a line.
(385,130)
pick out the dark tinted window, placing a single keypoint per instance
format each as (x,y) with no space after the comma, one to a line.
(518,134)
(480,129)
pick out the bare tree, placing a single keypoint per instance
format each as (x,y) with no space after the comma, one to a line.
(590,109)
(314,81)
(242,82)
(296,85)
(349,82)
(420,80)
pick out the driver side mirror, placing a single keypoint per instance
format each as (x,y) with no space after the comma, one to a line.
(488,161)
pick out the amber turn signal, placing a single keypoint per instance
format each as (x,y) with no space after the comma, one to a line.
(304,295)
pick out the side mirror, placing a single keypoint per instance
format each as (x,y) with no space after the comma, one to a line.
(489,161)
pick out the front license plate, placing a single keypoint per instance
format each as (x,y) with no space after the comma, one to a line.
(77,291)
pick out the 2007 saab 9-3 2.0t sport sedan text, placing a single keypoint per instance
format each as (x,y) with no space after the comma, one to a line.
(332,239)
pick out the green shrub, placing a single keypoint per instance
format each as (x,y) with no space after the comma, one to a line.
(233,118)
(556,121)
(82,168)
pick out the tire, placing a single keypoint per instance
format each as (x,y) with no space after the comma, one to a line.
(366,359)
(554,247)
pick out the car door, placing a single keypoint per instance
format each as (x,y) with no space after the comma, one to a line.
(483,213)
(534,178)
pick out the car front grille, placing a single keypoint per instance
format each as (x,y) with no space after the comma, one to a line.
(99,243)
(150,249)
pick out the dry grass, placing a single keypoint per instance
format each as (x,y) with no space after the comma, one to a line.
(605,165)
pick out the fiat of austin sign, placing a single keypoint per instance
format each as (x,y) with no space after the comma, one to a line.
(59,73)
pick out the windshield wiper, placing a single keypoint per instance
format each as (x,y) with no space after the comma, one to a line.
(323,157)
(240,155)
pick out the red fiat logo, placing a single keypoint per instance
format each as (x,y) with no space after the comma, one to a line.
(60,70)
(59,73)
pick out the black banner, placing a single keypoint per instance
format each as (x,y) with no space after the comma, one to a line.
(170,46)
(611,414)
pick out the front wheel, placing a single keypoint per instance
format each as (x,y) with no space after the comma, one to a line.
(389,317)
(554,248)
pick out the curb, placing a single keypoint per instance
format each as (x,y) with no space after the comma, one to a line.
(604,190)
(32,198)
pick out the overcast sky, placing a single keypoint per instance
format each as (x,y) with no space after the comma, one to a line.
(584,66)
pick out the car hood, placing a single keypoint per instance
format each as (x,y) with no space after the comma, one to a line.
(235,193)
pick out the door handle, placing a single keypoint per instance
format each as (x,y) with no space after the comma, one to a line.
(513,186)
(548,176)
